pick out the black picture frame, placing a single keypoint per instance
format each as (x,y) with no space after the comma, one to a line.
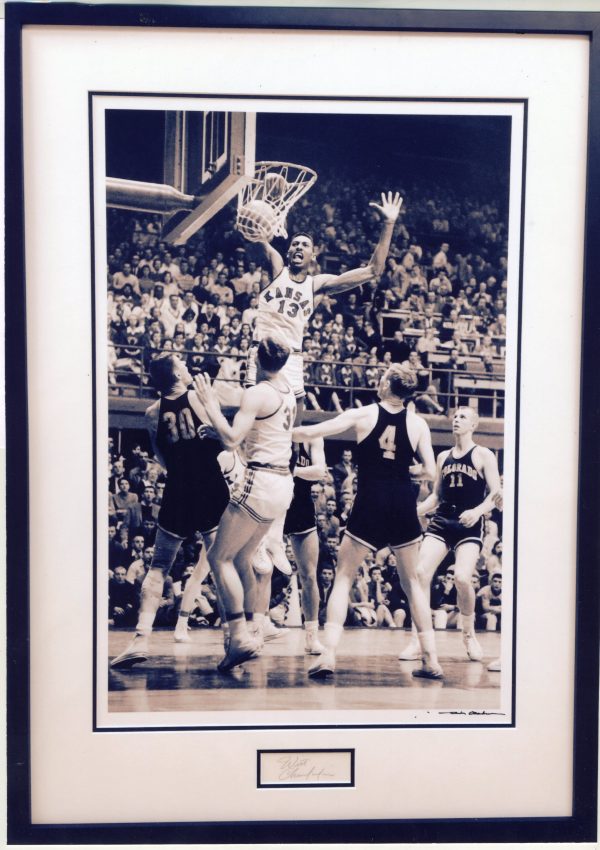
(582,826)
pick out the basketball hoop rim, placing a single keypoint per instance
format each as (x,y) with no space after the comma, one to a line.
(270,163)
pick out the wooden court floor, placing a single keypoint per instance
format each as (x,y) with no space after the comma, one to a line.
(183,677)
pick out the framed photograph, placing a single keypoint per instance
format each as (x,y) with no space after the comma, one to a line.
(383,222)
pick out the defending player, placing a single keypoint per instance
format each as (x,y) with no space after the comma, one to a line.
(196,493)
(301,526)
(459,500)
(232,468)
(286,304)
(264,425)
(384,513)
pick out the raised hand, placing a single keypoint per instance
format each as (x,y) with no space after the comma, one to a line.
(203,388)
(389,208)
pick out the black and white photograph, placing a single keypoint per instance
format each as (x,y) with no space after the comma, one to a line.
(302,424)
(308,309)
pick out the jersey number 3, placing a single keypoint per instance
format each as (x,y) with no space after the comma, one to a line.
(387,442)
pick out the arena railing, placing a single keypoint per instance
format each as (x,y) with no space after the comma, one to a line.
(439,388)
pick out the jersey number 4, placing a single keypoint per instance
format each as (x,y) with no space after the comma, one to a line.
(387,442)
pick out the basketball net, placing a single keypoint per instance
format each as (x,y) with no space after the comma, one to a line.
(263,204)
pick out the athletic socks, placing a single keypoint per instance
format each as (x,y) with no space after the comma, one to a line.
(427,641)
(468,621)
(238,628)
(333,634)
(145,622)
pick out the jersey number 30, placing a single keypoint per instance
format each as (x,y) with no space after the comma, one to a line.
(180,426)
(387,442)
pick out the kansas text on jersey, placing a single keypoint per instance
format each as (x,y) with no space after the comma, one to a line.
(284,308)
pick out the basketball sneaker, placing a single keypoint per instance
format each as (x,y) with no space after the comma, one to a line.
(276,550)
(136,653)
(323,666)
(182,631)
(473,647)
(428,671)
(270,631)
(256,634)
(312,644)
(494,666)
(261,561)
(412,652)
(237,653)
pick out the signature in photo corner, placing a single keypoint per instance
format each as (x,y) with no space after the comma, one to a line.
(301,767)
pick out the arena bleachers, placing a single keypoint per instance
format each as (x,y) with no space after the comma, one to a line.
(441,304)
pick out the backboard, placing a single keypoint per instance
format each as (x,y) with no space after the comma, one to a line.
(185,165)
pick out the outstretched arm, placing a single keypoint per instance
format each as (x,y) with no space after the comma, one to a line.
(389,210)
(230,435)
(348,419)
(274,257)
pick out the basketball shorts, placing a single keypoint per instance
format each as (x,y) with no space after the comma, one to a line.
(384,515)
(293,371)
(300,518)
(263,493)
(453,533)
(185,511)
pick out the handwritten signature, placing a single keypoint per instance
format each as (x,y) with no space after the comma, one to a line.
(301,767)
(500,713)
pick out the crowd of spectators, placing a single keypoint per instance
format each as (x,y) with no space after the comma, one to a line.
(441,301)
(136,485)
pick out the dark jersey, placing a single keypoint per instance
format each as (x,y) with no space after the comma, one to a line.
(462,487)
(386,453)
(302,487)
(385,509)
(300,517)
(196,493)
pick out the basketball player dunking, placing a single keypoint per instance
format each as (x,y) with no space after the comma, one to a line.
(460,503)
(263,424)
(196,493)
(384,513)
(286,304)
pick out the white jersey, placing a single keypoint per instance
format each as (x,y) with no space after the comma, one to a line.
(269,442)
(284,308)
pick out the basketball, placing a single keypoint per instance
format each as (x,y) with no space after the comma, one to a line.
(275,185)
(256,221)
